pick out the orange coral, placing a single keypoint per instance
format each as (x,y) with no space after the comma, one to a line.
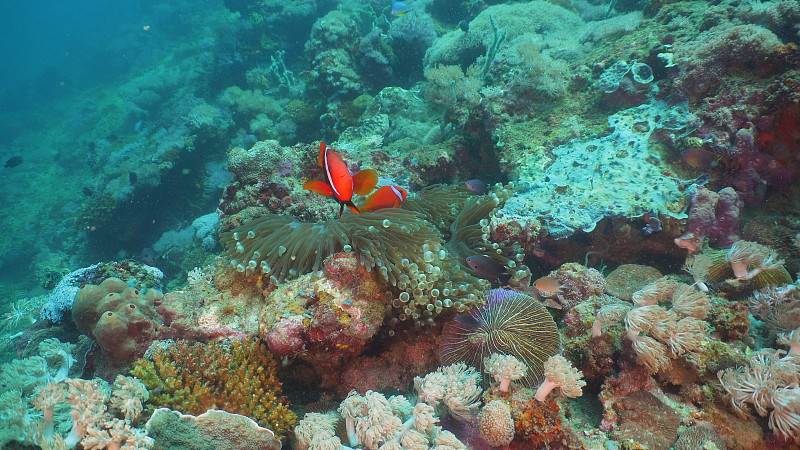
(238,378)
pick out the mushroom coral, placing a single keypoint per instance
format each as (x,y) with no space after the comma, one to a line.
(510,323)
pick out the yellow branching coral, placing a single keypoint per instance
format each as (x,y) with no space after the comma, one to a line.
(238,378)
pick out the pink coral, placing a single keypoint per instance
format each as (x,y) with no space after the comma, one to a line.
(559,373)
(326,319)
(713,217)
(288,336)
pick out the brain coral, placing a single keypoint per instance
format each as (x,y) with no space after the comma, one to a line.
(122,319)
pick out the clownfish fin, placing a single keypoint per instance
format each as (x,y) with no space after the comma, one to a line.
(352,207)
(385,197)
(321,157)
(364,181)
(319,187)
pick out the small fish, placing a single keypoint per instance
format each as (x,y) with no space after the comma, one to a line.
(385,197)
(13,162)
(548,286)
(338,181)
(132,177)
(138,126)
(701,159)
(475,185)
(467,320)
(488,268)
(399,8)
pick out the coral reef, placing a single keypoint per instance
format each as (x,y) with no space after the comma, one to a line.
(341,308)
(214,429)
(120,318)
(510,323)
(238,377)
(572,192)
(560,159)
(399,244)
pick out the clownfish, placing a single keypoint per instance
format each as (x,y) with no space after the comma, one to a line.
(338,181)
(385,197)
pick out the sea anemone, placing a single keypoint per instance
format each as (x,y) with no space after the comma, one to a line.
(509,323)
(655,292)
(369,419)
(559,373)
(778,307)
(455,386)
(785,417)
(645,318)
(757,382)
(317,431)
(689,334)
(698,267)
(651,353)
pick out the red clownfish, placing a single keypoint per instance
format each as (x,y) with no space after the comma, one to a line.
(338,181)
(385,197)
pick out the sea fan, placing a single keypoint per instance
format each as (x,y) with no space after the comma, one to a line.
(510,323)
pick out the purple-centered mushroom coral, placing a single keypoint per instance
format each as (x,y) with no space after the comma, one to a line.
(510,323)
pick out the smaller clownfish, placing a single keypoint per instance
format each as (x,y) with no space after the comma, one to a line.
(385,197)
(338,181)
